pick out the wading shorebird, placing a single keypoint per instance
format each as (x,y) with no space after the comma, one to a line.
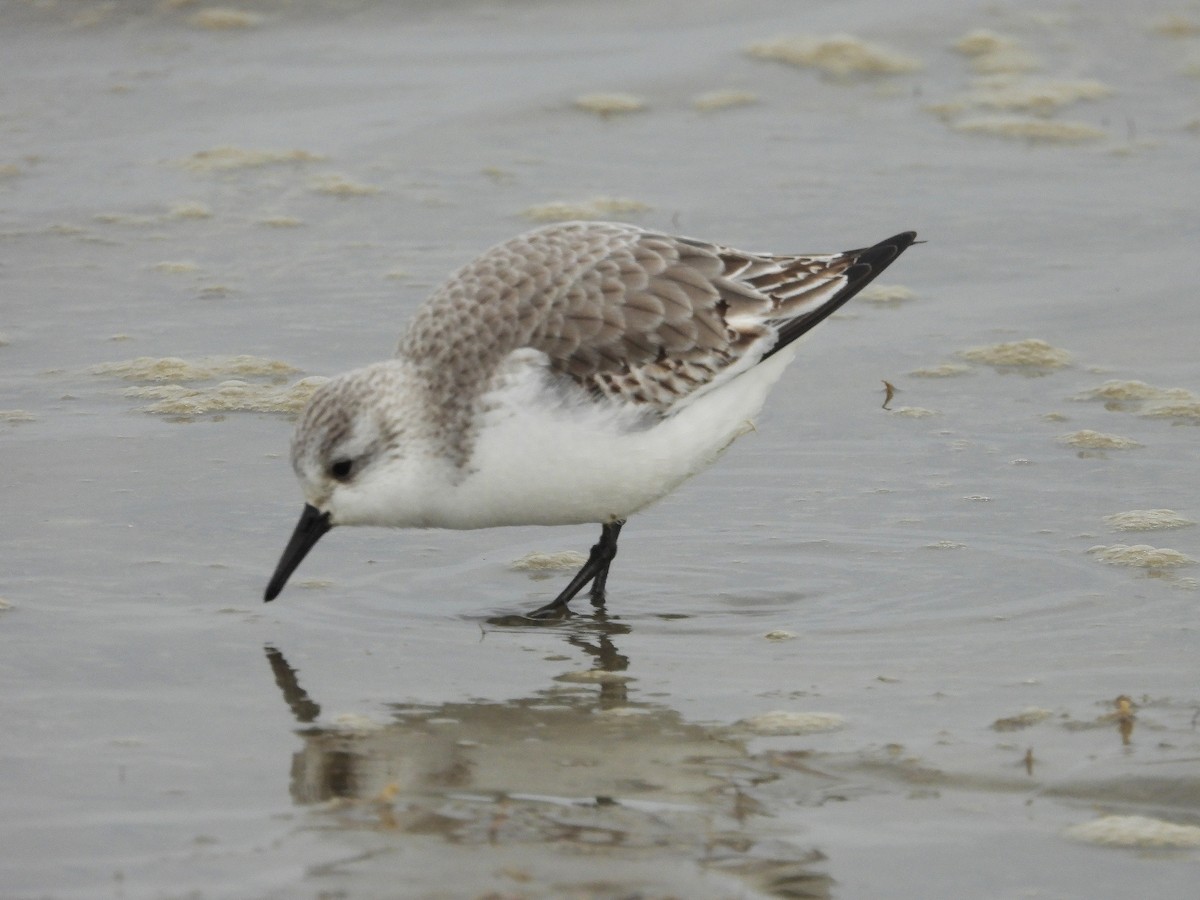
(573,374)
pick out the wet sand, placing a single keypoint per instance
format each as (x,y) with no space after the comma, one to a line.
(946,648)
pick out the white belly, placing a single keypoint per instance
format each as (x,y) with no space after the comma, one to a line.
(537,461)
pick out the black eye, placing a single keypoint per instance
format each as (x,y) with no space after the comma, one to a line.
(341,469)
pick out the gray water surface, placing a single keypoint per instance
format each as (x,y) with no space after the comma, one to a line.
(929,598)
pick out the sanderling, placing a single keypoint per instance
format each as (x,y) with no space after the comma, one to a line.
(573,374)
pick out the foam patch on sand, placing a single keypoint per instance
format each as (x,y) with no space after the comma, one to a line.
(1096,440)
(1176,26)
(169,382)
(596,208)
(1029,128)
(886,293)
(1032,353)
(610,104)
(1041,97)
(715,100)
(1004,102)
(228,158)
(782,722)
(220,18)
(1146,399)
(566,560)
(175,267)
(839,55)
(337,185)
(132,219)
(1183,408)
(173,368)
(1134,831)
(228,396)
(191,209)
(1141,556)
(1124,391)
(1025,719)
(1147,520)
(992,53)
(946,370)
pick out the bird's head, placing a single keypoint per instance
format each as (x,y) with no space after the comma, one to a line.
(348,452)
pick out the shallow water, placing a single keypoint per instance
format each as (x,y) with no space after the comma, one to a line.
(937,581)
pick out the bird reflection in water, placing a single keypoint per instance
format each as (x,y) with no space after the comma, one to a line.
(578,766)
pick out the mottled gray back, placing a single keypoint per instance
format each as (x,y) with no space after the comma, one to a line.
(639,316)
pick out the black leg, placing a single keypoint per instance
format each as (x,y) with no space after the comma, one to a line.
(608,537)
(595,570)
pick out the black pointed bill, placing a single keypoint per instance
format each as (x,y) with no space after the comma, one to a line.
(313,523)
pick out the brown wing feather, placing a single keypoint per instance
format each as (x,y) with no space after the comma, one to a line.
(642,317)
(692,310)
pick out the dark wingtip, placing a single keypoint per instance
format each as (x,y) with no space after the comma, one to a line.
(868,263)
(873,260)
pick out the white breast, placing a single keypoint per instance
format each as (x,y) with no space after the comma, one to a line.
(547,459)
